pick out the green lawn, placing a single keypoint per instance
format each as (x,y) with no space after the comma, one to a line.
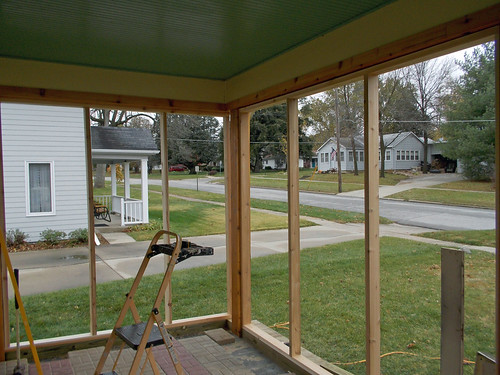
(449,197)
(332,289)
(468,185)
(468,237)
(317,212)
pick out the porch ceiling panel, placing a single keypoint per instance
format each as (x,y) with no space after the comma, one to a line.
(188,38)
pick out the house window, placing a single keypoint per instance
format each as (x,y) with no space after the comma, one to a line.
(417,156)
(322,157)
(361,156)
(407,155)
(412,155)
(341,155)
(388,155)
(398,155)
(39,188)
(350,156)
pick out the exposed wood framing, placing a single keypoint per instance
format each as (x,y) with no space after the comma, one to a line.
(244,166)
(497,196)
(482,20)
(165,205)
(91,232)
(452,311)
(111,101)
(372,240)
(237,171)
(293,226)
(4,308)
(229,215)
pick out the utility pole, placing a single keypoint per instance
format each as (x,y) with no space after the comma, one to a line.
(339,165)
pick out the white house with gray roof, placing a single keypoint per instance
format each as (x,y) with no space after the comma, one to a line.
(403,151)
(45,183)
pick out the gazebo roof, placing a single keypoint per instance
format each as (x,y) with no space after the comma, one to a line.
(115,144)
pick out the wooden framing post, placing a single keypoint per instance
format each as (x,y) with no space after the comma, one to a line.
(165,205)
(4,308)
(372,240)
(229,197)
(237,171)
(91,232)
(293,226)
(497,195)
(452,311)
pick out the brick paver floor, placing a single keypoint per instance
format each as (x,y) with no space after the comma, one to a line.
(199,355)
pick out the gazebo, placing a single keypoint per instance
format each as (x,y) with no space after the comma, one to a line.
(117,145)
(228,58)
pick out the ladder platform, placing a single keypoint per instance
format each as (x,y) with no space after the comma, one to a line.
(132,335)
(109,373)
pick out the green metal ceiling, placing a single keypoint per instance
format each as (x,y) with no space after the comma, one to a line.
(214,39)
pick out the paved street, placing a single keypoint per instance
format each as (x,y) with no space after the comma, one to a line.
(427,215)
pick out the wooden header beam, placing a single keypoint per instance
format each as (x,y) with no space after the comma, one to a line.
(447,32)
(108,101)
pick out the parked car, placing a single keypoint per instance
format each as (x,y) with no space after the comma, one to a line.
(177,168)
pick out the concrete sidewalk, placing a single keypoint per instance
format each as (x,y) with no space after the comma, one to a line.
(421,181)
(57,269)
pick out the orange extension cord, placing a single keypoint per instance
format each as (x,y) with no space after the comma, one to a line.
(285,326)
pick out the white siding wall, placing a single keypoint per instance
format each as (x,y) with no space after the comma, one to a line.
(47,134)
(410,143)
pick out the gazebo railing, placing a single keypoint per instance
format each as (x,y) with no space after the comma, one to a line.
(131,211)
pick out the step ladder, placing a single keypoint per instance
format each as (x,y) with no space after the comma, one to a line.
(144,335)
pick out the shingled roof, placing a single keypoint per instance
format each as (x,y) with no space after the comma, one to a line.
(113,138)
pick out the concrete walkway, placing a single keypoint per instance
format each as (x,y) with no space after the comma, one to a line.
(417,182)
(57,269)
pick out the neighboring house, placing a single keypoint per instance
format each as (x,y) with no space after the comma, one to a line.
(270,162)
(403,151)
(45,178)
(44,168)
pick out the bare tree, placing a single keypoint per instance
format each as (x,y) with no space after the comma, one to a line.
(430,79)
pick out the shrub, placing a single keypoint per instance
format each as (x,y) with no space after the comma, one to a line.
(78,235)
(15,237)
(213,172)
(153,225)
(52,236)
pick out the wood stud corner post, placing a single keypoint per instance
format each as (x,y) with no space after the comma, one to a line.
(293,226)
(4,310)
(91,234)
(237,172)
(372,240)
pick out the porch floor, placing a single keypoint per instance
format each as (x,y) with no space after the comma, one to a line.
(199,355)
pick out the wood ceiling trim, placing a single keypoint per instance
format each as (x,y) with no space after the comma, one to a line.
(110,101)
(447,32)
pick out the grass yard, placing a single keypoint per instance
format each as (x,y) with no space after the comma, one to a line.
(317,212)
(449,197)
(332,289)
(468,237)
(468,185)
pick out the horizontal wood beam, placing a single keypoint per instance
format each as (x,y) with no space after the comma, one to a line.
(108,101)
(447,32)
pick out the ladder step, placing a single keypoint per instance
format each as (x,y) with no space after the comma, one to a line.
(109,373)
(132,335)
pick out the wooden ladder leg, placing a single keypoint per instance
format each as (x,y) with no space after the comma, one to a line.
(168,342)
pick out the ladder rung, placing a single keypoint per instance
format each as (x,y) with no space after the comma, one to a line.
(132,335)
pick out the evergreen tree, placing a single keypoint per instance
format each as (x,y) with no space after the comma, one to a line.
(470,111)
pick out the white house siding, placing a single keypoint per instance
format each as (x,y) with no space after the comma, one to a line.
(44,134)
(410,143)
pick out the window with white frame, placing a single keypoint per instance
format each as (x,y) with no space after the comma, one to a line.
(351,157)
(417,156)
(322,157)
(407,155)
(398,155)
(361,156)
(39,188)
(388,155)
(341,155)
